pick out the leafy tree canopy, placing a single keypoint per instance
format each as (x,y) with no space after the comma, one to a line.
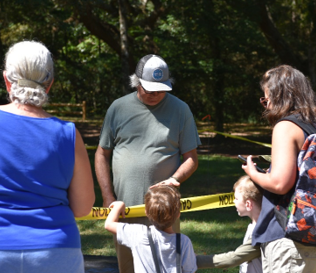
(217,50)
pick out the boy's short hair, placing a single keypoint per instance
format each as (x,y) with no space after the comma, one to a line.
(162,204)
(249,189)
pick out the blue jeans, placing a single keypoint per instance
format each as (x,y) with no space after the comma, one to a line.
(53,260)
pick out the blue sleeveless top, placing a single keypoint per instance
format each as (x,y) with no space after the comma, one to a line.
(36,166)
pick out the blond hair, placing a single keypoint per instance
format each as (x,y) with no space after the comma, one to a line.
(249,189)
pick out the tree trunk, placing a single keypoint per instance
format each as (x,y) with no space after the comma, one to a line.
(124,48)
(219,88)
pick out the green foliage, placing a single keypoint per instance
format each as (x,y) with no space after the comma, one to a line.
(214,61)
(217,50)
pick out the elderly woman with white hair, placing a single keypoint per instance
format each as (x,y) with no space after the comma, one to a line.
(45,174)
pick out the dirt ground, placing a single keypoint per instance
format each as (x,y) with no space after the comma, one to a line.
(211,143)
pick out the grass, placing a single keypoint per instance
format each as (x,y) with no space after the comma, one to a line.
(211,231)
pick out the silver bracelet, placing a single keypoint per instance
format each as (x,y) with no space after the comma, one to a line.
(175,178)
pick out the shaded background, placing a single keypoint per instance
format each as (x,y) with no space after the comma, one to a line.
(217,50)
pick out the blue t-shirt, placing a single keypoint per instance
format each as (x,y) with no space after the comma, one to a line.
(36,167)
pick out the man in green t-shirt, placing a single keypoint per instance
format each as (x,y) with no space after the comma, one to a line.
(145,133)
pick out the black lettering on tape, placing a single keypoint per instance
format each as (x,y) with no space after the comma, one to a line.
(231,197)
(189,204)
(221,200)
(127,210)
(94,212)
(99,212)
(226,199)
(186,204)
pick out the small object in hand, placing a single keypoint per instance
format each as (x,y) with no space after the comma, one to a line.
(244,161)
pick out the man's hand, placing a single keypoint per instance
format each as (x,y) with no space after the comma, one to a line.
(108,201)
(171,181)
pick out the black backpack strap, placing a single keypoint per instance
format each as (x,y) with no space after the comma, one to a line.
(153,250)
(178,243)
(306,127)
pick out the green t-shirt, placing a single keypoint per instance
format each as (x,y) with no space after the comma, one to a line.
(147,143)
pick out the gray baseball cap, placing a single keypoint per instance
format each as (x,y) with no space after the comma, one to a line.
(153,73)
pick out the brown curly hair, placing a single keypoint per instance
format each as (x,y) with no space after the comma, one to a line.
(289,92)
(162,204)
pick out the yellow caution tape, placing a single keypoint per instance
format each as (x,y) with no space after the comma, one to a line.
(187,204)
(91,147)
(242,138)
(220,133)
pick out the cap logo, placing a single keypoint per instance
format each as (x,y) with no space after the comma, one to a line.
(157,74)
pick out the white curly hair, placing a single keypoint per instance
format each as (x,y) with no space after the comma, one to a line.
(30,70)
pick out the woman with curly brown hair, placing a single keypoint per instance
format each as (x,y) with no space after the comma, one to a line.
(288,99)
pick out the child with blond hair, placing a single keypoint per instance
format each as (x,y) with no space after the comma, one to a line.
(162,207)
(248,198)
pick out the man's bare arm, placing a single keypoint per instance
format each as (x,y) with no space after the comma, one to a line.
(187,168)
(103,173)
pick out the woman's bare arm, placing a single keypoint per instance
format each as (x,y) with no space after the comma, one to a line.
(81,190)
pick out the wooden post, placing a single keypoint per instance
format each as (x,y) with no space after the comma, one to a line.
(84,110)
